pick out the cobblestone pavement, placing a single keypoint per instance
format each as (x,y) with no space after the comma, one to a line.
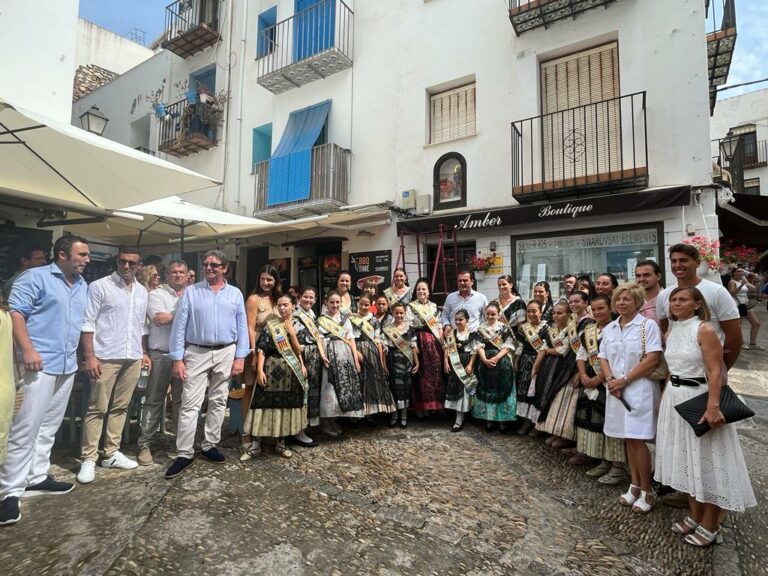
(380,502)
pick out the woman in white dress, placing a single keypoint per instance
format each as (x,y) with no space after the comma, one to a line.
(630,351)
(710,468)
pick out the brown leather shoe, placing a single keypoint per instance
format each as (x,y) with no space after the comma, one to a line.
(145,457)
(580,460)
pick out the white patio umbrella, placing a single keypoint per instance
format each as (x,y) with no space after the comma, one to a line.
(56,164)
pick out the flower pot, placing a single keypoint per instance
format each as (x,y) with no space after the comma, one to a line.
(479,275)
(705,272)
(192,96)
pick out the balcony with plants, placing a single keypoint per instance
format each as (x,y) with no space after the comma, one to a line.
(190,125)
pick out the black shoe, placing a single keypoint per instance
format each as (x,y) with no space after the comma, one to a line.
(213,455)
(525,428)
(490,426)
(48,487)
(9,511)
(178,466)
(403,423)
(457,427)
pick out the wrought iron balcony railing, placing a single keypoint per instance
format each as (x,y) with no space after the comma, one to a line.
(721,41)
(308,46)
(329,186)
(188,128)
(191,26)
(588,149)
(528,15)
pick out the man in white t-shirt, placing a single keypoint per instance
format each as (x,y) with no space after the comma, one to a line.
(684,260)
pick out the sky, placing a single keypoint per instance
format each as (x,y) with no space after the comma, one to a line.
(750,60)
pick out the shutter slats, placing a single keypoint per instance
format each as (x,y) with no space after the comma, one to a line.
(452,114)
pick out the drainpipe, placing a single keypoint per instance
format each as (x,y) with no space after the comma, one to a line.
(227,114)
(239,118)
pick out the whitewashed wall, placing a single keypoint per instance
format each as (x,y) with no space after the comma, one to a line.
(99,46)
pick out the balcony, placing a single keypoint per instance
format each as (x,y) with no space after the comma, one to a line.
(191,26)
(527,15)
(308,46)
(749,153)
(188,128)
(721,41)
(587,150)
(329,187)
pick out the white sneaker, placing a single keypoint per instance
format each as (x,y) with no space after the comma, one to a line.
(87,472)
(119,460)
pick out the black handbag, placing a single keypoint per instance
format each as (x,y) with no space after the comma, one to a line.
(732,408)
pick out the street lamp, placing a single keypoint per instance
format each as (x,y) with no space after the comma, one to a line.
(729,144)
(94,121)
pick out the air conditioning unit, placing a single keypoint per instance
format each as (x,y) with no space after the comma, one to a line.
(424,204)
(408,199)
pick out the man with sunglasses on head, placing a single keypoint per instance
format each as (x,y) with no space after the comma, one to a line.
(209,343)
(114,348)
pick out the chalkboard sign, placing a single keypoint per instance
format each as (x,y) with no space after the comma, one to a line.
(14,241)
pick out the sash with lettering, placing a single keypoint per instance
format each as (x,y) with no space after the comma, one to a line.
(532,336)
(554,336)
(364,325)
(469,381)
(592,340)
(309,324)
(283,344)
(397,339)
(490,335)
(333,328)
(430,320)
(573,335)
(392,297)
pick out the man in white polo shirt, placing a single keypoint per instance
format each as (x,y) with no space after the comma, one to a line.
(160,312)
(114,352)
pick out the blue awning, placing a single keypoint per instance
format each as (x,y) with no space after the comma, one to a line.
(290,167)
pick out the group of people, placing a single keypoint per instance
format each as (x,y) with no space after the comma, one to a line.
(582,372)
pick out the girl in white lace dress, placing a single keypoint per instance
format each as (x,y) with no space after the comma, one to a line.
(710,468)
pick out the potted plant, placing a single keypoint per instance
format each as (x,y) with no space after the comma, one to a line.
(709,251)
(481,264)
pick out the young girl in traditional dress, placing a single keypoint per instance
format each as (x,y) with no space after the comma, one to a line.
(340,393)
(371,289)
(460,357)
(402,361)
(382,311)
(375,386)
(313,353)
(533,336)
(495,400)
(277,405)
(555,371)
(428,385)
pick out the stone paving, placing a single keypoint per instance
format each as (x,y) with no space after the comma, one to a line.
(380,502)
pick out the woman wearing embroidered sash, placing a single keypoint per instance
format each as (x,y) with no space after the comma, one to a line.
(558,376)
(402,361)
(399,291)
(543,295)
(460,356)
(340,393)
(533,336)
(511,306)
(348,304)
(277,407)
(313,354)
(259,306)
(377,397)
(495,400)
(710,468)
(428,384)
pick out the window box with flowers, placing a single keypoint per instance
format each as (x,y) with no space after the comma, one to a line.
(709,252)
(481,264)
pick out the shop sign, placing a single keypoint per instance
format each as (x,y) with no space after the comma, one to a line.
(600,240)
(569,209)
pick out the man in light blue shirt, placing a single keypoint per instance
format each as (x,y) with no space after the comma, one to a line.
(209,343)
(464,299)
(47,308)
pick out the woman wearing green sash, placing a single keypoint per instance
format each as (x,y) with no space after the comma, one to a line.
(277,407)
(495,400)
(460,358)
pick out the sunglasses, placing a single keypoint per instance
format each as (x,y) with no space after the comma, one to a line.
(130,263)
(212,264)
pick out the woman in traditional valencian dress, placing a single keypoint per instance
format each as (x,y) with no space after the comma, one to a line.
(559,376)
(377,397)
(277,407)
(495,401)
(315,359)
(591,443)
(543,295)
(399,291)
(511,306)
(402,361)
(343,286)
(428,385)
(382,311)
(533,336)
(340,393)
(460,358)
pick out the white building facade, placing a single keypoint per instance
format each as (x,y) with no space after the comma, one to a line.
(577,146)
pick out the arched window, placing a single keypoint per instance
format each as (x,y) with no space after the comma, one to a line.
(450,182)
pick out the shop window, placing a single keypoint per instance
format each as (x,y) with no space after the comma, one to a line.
(449,182)
(752,186)
(452,114)
(550,256)
(454,258)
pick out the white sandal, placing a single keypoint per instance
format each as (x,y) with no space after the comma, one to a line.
(629,497)
(642,505)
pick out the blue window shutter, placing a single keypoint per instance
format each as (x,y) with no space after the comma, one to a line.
(265,43)
(313,28)
(262,144)
(204,77)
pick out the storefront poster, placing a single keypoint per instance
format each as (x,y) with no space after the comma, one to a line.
(541,273)
(331,266)
(376,266)
(497,268)
(631,264)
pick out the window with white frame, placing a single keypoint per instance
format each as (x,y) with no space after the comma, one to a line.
(752,186)
(452,114)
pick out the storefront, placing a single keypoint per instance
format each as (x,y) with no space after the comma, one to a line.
(546,241)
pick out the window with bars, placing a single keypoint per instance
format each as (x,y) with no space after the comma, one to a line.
(452,114)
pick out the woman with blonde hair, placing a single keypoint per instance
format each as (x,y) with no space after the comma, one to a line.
(710,468)
(629,352)
(149,277)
